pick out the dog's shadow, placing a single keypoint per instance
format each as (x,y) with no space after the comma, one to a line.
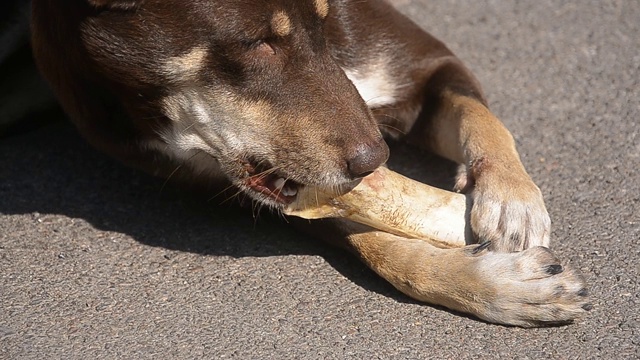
(53,171)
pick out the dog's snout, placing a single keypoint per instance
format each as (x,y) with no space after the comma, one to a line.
(366,158)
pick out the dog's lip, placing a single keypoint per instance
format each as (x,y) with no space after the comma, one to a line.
(265,180)
(273,186)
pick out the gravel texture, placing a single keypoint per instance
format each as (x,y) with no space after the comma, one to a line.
(100,261)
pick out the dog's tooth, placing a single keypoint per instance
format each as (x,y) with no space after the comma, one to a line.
(289,191)
(279,183)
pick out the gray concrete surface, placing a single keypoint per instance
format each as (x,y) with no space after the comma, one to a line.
(99,261)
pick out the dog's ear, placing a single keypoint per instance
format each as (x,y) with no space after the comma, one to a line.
(115,4)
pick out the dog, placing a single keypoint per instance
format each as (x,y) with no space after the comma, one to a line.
(268,96)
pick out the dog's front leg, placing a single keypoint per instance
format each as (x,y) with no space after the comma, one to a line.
(508,208)
(528,288)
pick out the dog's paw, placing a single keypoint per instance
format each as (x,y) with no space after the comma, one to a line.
(529,288)
(508,208)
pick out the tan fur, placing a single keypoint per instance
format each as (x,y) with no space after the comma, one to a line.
(187,66)
(508,288)
(281,23)
(467,132)
(322,8)
(465,129)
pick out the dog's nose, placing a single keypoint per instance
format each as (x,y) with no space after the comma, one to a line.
(367,158)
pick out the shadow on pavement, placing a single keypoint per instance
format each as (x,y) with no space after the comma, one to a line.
(53,171)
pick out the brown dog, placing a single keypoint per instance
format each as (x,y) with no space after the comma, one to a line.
(273,95)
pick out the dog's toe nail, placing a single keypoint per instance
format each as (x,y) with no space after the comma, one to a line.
(587,307)
(481,247)
(554,269)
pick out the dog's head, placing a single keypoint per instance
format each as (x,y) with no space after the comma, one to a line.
(243,87)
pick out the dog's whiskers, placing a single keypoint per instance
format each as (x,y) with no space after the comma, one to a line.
(391,126)
(223,191)
(255,211)
(236,195)
(177,169)
(188,127)
(261,175)
(166,181)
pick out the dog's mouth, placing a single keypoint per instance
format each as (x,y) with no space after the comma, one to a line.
(270,184)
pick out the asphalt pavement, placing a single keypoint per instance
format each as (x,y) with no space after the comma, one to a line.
(98,261)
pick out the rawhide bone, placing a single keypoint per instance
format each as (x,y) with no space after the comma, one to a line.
(388,201)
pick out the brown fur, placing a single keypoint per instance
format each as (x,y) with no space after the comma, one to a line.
(268,96)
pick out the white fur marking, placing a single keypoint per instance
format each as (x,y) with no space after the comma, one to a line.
(182,139)
(374,84)
(196,136)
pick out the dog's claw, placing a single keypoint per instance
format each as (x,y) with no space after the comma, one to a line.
(483,246)
(587,307)
(554,269)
